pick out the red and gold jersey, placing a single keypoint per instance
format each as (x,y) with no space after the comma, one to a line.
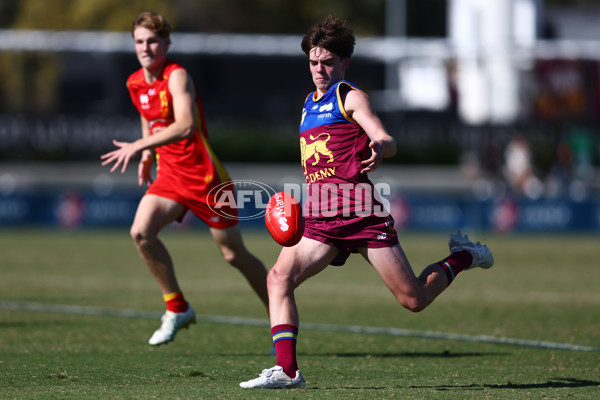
(190,161)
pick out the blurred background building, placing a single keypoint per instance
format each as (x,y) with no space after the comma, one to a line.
(495,104)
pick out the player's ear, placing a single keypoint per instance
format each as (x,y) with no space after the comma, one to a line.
(346,63)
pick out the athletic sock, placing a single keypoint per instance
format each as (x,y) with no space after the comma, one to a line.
(284,338)
(176,302)
(455,263)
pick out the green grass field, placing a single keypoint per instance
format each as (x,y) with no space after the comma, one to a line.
(543,288)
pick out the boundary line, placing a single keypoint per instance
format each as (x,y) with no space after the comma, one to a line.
(242,321)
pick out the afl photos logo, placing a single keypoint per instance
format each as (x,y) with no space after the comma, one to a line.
(248,199)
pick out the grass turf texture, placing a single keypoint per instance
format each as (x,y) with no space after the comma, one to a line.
(542,288)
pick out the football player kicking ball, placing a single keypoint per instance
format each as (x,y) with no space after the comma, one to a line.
(339,121)
(187,169)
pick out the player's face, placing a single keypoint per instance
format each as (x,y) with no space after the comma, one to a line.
(326,68)
(151,49)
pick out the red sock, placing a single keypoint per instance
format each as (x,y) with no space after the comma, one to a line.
(176,302)
(284,338)
(455,263)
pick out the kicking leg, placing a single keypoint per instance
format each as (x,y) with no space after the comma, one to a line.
(417,293)
(413,293)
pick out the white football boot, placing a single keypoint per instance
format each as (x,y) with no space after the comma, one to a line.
(482,256)
(171,323)
(275,378)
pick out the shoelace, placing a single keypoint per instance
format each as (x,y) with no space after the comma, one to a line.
(267,373)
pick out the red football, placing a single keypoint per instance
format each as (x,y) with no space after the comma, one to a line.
(284,219)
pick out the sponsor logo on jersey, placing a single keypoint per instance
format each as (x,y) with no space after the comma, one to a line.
(326,107)
(144,100)
(315,149)
(164,103)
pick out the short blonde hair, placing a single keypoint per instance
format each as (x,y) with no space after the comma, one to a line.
(153,22)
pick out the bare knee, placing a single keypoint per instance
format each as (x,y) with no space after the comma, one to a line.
(414,306)
(277,281)
(233,256)
(273,279)
(414,302)
(136,234)
(140,236)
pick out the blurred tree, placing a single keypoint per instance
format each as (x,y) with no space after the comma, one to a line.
(29,81)
(8,10)
(276,16)
(258,16)
(84,14)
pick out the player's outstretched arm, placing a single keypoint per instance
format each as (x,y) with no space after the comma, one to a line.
(183,94)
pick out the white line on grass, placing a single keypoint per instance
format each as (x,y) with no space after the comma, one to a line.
(219,319)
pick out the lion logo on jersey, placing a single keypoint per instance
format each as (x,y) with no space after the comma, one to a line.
(316,148)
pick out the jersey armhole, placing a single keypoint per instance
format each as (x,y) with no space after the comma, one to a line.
(342,89)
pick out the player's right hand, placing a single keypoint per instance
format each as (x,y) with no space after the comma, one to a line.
(125,151)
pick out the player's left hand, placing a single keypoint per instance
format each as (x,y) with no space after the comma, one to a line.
(125,152)
(144,168)
(371,163)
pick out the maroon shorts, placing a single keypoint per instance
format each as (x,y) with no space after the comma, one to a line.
(349,234)
(199,202)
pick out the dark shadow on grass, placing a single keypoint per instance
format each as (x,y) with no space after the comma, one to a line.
(347,388)
(558,383)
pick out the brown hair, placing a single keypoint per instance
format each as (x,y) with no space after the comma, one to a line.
(331,34)
(153,22)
